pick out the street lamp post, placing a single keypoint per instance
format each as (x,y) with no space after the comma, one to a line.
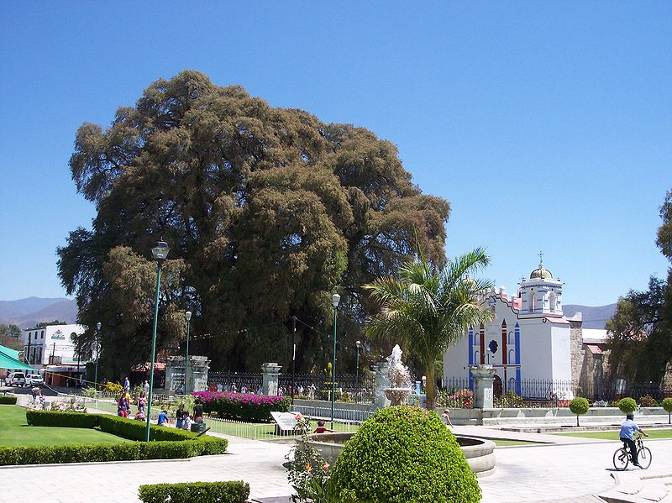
(358,344)
(293,355)
(187,315)
(159,252)
(95,378)
(335,299)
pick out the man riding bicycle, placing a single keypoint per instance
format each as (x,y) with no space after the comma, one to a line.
(628,429)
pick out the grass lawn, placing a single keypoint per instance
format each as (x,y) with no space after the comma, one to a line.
(613,435)
(15,432)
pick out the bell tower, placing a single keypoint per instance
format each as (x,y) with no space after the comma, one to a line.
(541,294)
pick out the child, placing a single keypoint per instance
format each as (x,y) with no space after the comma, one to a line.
(186,424)
(163,418)
(320,427)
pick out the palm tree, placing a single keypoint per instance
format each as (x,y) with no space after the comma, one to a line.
(429,309)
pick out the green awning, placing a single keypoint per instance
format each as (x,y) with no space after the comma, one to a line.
(13,353)
(7,362)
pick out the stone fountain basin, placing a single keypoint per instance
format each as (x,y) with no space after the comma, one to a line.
(479,452)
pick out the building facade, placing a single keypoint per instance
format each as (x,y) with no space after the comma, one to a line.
(50,350)
(536,351)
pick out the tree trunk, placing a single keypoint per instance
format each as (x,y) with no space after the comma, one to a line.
(577,420)
(430,387)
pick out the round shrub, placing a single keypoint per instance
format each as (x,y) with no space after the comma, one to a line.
(404,454)
(627,405)
(667,405)
(579,406)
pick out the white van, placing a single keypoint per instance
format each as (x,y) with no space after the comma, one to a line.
(17,379)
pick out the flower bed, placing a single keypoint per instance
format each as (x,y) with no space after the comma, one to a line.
(242,406)
(166,443)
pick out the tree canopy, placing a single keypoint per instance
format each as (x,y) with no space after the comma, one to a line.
(641,341)
(267,211)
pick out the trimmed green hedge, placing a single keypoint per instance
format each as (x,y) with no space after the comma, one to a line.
(7,400)
(167,443)
(203,492)
(128,428)
(403,454)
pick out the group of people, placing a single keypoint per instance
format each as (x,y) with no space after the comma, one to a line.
(124,401)
(183,419)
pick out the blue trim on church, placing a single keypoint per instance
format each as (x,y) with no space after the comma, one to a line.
(471,356)
(517,337)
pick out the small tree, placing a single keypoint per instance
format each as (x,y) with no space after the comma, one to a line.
(627,405)
(667,405)
(579,406)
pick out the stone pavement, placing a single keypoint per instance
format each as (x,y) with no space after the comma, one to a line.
(561,472)
(259,463)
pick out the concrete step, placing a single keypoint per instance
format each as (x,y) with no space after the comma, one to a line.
(638,487)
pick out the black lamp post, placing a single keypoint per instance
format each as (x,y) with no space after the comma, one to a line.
(95,378)
(159,252)
(359,345)
(335,299)
(187,315)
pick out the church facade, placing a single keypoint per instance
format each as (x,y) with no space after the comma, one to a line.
(535,349)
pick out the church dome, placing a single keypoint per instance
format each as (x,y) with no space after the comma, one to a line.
(541,273)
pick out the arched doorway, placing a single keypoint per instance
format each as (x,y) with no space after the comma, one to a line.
(497,386)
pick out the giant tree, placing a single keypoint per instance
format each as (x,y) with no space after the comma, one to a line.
(267,211)
(641,328)
(428,308)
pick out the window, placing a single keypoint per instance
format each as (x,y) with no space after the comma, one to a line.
(532,303)
(42,336)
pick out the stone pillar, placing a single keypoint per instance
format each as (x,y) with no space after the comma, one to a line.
(198,373)
(483,393)
(270,377)
(381,382)
(175,374)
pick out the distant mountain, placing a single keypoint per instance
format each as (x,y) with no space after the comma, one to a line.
(593,316)
(28,312)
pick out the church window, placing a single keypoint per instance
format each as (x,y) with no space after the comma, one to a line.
(532,302)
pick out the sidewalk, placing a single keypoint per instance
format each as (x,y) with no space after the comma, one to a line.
(492,433)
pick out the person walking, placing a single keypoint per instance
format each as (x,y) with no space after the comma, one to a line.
(127,384)
(145,387)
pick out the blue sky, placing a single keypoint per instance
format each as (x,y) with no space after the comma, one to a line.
(547,126)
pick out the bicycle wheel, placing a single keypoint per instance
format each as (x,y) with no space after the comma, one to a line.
(645,457)
(621,459)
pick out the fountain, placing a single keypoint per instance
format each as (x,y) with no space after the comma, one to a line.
(399,378)
(478,452)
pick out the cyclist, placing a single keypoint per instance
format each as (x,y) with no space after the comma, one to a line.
(628,429)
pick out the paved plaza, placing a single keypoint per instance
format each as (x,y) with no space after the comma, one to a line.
(525,474)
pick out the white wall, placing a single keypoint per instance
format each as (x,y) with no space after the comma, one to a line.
(53,339)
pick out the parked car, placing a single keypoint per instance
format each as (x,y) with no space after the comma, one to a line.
(17,379)
(35,379)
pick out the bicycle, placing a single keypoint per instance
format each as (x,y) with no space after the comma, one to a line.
(622,456)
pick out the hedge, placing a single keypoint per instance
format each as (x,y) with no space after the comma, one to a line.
(7,400)
(122,427)
(203,492)
(403,454)
(242,406)
(167,444)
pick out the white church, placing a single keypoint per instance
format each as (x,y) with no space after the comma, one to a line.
(536,351)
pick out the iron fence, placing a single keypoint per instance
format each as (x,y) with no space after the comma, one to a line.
(349,388)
